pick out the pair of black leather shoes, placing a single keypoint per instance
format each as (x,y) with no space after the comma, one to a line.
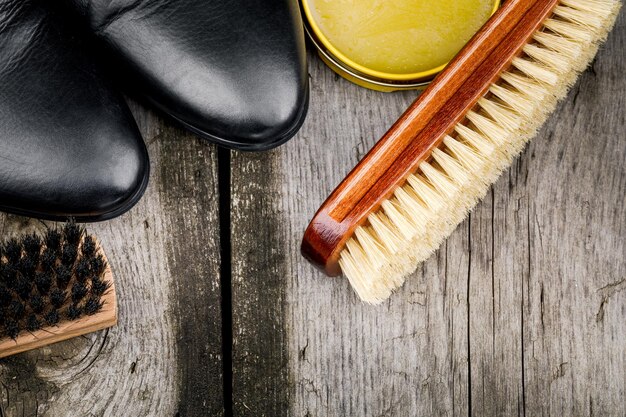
(231,71)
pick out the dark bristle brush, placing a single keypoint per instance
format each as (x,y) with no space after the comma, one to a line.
(52,288)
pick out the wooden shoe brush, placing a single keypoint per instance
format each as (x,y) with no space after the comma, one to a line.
(53,288)
(421,179)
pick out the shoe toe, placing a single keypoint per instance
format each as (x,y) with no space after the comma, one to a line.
(254,113)
(109,172)
(69,146)
(95,171)
(235,73)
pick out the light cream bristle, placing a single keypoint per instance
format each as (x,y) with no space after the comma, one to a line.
(411,225)
(559,44)
(426,193)
(376,253)
(452,167)
(413,204)
(399,219)
(385,232)
(467,157)
(478,141)
(514,101)
(496,134)
(536,71)
(439,180)
(569,30)
(548,57)
(581,17)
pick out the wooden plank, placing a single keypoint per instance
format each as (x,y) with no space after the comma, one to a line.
(522,310)
(259,279)
(164,356)
(548,262)
(575,296)
(324,352)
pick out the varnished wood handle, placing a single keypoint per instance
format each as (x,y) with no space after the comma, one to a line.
(421,128)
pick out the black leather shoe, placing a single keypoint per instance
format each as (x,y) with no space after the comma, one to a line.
(233,72)
(68,143)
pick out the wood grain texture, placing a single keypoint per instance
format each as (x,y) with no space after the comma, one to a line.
(521,312)
(259,278)
(164,356)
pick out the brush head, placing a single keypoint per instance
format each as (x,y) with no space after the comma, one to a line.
(49,280)
(449,163)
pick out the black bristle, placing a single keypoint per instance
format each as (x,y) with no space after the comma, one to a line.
(52,317)
(82,270)
(11,328)
(99,287)
(93,305)
(64,275)
(27,266)
(72,233)
(3,270)
(8,275)
(43,282)
(23,288)
(68,255)
(74,311)
(53,240)
(57,297)
(79,290)
(5,296)
(98,265)
(32,323)
(36,303)
(48,259)
(16,309)
(89,247)
(13,251)
(32,246)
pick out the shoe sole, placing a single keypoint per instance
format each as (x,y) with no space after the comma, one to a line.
(118,211)
(229,144)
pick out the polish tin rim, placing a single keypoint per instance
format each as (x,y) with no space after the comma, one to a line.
(359,73)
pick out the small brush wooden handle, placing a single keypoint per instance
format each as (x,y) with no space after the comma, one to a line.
(421,128)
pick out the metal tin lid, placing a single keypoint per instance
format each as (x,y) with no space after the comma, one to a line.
(359,74)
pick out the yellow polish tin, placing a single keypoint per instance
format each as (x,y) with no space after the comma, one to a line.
(360,74)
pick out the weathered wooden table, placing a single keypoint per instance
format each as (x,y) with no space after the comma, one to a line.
(521,312)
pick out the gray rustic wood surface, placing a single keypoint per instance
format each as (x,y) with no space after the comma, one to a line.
(521,312)
(164,358)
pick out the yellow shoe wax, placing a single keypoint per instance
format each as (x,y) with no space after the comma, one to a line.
(398,36)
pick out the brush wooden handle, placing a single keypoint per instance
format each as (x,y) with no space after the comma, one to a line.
(421,128)
(67,329)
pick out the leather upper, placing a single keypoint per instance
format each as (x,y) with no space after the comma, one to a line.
(68,143)
(233,71)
